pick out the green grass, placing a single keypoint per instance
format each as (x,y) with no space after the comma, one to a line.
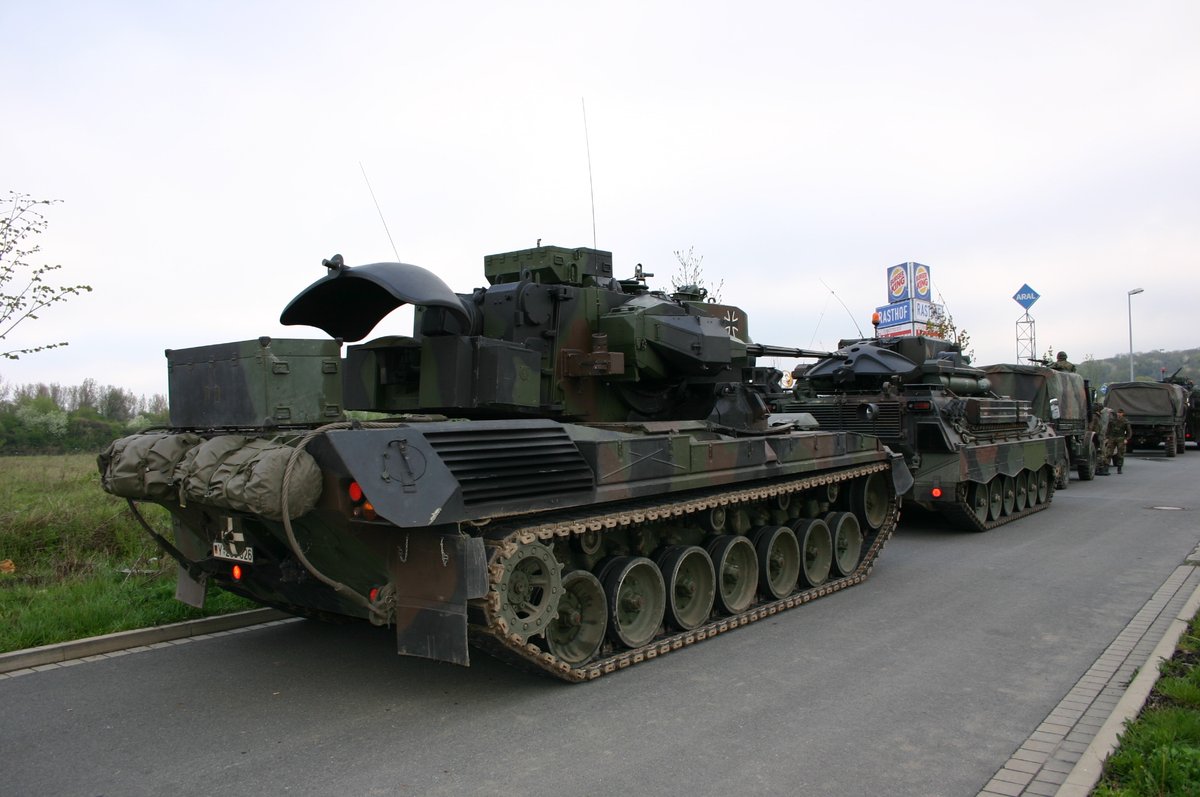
(1159,752)
(73,561)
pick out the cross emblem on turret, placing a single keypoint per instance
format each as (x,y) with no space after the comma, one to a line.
(730,321)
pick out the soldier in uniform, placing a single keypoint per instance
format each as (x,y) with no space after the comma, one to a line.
(1101,419)
(1119,432)
(1061,363)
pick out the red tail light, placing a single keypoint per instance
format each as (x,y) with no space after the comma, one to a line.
(237,572)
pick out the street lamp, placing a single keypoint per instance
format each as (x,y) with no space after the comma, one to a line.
(1129,301)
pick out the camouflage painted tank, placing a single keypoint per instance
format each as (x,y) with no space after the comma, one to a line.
(979,459)
(577,474)
(1064,399)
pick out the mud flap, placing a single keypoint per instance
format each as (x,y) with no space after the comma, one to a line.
(902,478)
(435,575)
(189,590)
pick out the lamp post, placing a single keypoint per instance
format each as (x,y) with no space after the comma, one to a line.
(1129,302)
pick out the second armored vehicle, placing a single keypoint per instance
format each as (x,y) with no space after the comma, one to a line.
(979,459)
(1064,400)
(575,473)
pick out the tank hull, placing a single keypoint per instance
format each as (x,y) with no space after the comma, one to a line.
(450,522)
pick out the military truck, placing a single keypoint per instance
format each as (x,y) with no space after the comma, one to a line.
(1064,400)
(570,471)
(977,458)
(1191,426)
(1156,411)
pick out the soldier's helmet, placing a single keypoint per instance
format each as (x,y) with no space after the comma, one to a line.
(1062,355)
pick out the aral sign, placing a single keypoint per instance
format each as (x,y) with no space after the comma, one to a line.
(1026,296)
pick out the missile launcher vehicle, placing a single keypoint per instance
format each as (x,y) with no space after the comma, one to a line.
(979,459)
(564,469)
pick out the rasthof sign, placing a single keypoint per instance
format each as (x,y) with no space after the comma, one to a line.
(1026,296)
(909,311)
(891,315)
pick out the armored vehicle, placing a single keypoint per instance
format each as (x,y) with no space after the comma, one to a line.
(1064,400)
(977,458)
(574,473)
(1156,411)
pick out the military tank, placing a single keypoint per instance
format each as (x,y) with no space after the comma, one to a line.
(564,469)
(979,459)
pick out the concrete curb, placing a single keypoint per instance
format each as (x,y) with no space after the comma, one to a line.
(122,640)
(1087,771)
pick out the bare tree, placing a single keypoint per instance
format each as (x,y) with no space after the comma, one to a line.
(691,275)
(942,325)
(24,291)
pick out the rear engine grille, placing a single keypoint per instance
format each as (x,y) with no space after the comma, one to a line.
(505,464)
(848,417)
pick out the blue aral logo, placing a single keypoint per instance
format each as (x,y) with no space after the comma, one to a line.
(1026,296)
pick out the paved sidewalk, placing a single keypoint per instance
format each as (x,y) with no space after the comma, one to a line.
(1047,759)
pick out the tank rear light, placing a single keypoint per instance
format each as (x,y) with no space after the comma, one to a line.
(936,492)
(237,573)
(920,406)
(373,595)
(355,491)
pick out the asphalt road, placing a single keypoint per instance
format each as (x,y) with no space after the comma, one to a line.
(922,681)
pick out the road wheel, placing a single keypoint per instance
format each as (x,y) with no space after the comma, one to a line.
(979,501)
(637,600)
(778,559)
(847,541)
(1042,480)
(816,549)
(1021,491)
(995,497)
(691,585)
(736,564)
(576,633)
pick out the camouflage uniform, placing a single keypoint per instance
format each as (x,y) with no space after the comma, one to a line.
(1101,419)
(1119,432)
(1062,363)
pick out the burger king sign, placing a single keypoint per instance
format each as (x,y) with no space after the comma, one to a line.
(909,281)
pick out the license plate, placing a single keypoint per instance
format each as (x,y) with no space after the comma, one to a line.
(221,551)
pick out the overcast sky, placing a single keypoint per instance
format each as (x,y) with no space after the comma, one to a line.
(207,155)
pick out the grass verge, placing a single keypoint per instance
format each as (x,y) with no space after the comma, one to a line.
(73,561)
(1159,752)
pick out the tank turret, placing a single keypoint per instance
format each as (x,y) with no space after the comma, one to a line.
(554,335)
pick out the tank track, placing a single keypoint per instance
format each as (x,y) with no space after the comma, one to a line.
(494,636)
(961,514)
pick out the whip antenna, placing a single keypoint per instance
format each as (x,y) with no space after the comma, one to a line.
(591,187)
(380,212)
(847,309)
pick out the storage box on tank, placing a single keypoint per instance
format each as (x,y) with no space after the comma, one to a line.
(255,383)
